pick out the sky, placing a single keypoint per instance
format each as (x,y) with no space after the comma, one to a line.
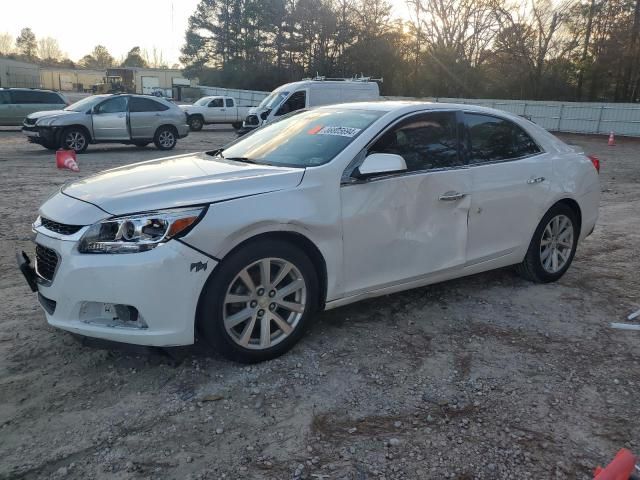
(79,25)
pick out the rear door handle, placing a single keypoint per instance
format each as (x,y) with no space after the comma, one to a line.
(451,196)
(532,180)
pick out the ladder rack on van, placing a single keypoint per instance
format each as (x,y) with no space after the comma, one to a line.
(319,78)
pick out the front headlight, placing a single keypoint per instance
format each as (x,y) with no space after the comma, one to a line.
(139,233)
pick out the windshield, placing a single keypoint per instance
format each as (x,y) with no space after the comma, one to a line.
(273,100)
(203,101)
(304,139)
(86,103)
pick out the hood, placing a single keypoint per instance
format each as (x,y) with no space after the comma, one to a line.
(178,181)
(49,115)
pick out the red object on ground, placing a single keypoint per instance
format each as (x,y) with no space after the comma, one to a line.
(67,159)
(620,468)
(612,139)
(596,162)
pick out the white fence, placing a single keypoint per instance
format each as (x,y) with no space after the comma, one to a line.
(575,117)
(244,98)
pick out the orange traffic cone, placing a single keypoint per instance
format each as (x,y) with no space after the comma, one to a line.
(620,468)
(612,140)
(67,159)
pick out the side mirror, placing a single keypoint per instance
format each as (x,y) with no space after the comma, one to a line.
(380,163)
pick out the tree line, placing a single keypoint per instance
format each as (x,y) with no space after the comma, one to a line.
(47,52)
(541,49)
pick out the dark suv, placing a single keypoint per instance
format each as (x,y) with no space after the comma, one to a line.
(17,103)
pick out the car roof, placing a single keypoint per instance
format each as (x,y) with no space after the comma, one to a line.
(23,89)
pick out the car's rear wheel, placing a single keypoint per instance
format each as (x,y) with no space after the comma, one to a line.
(75,139)
(552,247)
(196,123)
(258,302)
(165,138)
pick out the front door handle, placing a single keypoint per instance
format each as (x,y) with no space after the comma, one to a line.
(451,196)
(121,115)
(532,180)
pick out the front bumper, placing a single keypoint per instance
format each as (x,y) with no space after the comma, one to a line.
(161,284)
(40,135)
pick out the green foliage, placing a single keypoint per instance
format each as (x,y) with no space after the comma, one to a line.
(450,48)
(134,59)
(26,44)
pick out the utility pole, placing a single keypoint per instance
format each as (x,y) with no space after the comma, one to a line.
(585,50)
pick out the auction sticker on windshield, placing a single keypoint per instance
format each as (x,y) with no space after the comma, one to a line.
(339,131)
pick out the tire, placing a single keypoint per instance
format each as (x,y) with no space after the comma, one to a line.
(552,249)
(141,144)
(237,125)
(238,336)
(196,123)
(165,138)
(74,138)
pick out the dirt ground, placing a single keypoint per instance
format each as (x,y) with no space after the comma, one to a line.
(487,377)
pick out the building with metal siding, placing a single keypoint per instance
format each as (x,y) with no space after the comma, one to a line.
(70,79)
(16,74)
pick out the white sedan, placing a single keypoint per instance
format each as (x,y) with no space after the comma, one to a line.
(323,208)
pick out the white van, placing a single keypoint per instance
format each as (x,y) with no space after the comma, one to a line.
(310,93)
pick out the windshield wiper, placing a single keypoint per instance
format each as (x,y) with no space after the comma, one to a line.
(242,159)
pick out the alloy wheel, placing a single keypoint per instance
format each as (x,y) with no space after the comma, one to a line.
(264,303)
(75,141)
(556,243)
(166,139)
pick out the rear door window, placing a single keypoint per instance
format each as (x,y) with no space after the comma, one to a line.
(494,139)
(229,102)
(138,104)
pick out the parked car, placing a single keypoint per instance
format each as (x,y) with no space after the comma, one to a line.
(309,93)
(17,103)
(321,209)
(215,109)
(128,119)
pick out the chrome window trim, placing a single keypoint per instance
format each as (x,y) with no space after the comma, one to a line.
(346,179)
(493,162)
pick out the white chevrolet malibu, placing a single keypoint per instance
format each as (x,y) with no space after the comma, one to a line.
(326,207)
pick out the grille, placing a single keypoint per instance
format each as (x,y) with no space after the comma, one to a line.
(48,304)
(252,120)
(60,228)
(30,121)
(46,262)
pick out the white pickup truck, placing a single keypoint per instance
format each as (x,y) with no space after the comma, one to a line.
(215,109)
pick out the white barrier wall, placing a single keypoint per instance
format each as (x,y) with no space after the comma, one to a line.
(245,98)
(575,117)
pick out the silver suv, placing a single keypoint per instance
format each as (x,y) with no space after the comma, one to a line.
(17,103)
(129,119)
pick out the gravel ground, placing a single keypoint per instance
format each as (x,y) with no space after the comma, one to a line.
(486,377)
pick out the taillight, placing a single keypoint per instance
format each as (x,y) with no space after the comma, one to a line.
(596,162)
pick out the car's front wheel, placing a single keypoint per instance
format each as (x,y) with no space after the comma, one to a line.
(552,247)
(258,302)
(165,138)
(75,139)
(196,123)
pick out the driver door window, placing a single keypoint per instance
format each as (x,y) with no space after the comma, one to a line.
(297,101)
(216,103)
(426,142)
(113,105)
